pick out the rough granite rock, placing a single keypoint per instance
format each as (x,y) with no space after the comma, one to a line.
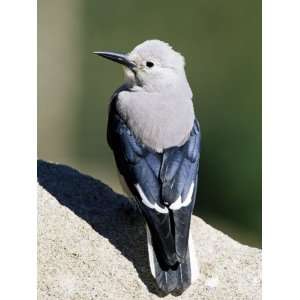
(91,247)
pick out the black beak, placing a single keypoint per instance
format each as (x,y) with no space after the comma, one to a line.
(117,57)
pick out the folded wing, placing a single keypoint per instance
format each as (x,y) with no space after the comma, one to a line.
(164,185)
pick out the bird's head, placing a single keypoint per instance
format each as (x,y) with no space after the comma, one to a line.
(154,65)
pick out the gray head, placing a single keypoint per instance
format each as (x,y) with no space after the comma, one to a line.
(153,65)
(158,106)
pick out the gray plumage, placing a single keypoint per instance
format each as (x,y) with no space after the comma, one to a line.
(159,120)
(158,107)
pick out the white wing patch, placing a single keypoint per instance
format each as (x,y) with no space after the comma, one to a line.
(162,210)
(178,203)
(188,198)
(174,206)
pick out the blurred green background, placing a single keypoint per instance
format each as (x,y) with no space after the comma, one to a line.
(221,41)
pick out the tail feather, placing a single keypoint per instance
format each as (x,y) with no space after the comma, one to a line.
(166,280)
(177,278)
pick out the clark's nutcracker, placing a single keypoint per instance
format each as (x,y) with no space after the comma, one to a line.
(155,139)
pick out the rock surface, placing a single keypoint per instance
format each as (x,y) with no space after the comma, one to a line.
(90,247)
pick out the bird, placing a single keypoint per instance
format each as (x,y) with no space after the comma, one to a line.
(155,138)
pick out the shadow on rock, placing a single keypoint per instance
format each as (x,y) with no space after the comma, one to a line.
(97,204)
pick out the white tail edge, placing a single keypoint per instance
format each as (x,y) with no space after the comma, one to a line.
(193,260)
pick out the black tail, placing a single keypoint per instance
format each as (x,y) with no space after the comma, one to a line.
(178,277)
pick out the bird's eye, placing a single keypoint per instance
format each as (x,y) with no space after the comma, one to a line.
(149,64)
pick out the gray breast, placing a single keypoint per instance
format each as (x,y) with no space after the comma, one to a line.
(159,120)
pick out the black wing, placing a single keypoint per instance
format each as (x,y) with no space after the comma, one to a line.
(164,184)
(179,177)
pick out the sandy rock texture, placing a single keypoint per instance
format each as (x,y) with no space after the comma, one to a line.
(91,247)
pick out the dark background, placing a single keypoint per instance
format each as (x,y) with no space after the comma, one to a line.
(221,42)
